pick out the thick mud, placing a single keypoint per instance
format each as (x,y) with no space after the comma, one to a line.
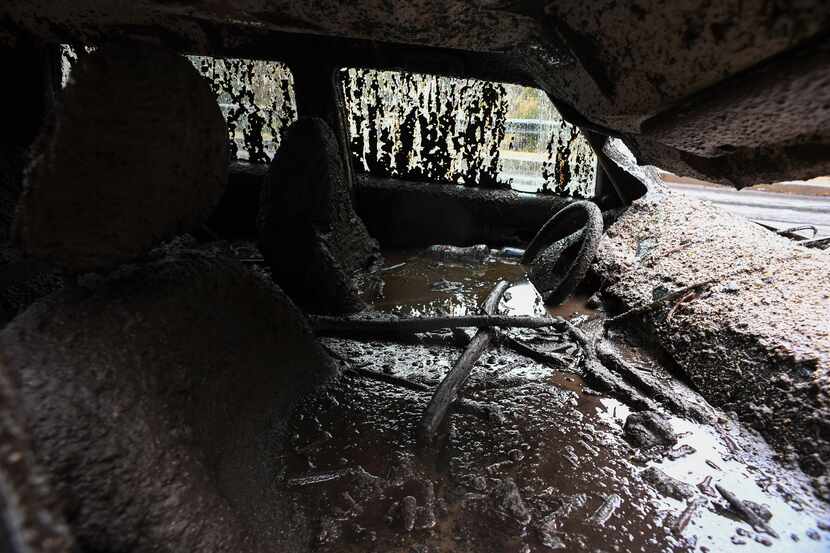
(545,464)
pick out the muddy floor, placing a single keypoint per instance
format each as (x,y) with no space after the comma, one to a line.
(540,463)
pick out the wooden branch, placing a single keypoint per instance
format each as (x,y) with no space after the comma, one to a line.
(484,411)
(339,326)
(533,353)
(447,391)
(687,515)
(749,516)
(599,376)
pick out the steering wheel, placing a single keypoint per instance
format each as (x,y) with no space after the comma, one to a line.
(559,263)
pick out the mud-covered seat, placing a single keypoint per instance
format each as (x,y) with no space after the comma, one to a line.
(317,247)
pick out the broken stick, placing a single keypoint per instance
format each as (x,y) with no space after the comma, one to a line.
(339,326)
(447,391)
(599,376)
(679,293)
(687,515)
(545,357)
(820,243)
(749,516)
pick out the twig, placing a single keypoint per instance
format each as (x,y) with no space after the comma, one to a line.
(820,243)
(792,230)
(631,374)
(605,511)
(316,478)
(389,379)
(328,325)
(687,514)
(601,377)
(749,516)
(680,292)
(447,391)
(677,304)
(533,353)
(789,232)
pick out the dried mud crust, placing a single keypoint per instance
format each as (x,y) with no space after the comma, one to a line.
(487,487)
(754,338)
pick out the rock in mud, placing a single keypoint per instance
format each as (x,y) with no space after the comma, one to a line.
(317,247)
(134,154)
(666,485)
(501,510)
(649,429)
(158,394)
(508,502)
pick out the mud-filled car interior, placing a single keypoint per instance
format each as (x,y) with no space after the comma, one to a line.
(407,277)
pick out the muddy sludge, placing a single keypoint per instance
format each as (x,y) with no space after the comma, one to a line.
(555,474)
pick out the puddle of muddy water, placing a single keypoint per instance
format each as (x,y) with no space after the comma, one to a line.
(556,474)
(416,285)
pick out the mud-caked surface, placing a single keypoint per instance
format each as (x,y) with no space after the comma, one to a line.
(156,399)
(135,153)
(317,247)
(22,281)
(30,513)
(544,463)
(754,337)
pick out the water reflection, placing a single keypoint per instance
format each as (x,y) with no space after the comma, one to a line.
(421,286)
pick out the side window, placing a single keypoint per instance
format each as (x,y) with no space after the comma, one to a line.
(464,131)
(257,100)
(542,152)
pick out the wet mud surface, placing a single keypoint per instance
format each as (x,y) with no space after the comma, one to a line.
(545,465)
(753,336)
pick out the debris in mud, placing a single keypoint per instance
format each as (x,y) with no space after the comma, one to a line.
(648,429)
(605,511)
(392,326)
(666,485)
(687,515)
(747,511)
(491,413)
(450,386)
(565,448)
(477,253)
(501,505)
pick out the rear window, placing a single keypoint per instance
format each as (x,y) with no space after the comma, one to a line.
(464,131)
(257,100)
